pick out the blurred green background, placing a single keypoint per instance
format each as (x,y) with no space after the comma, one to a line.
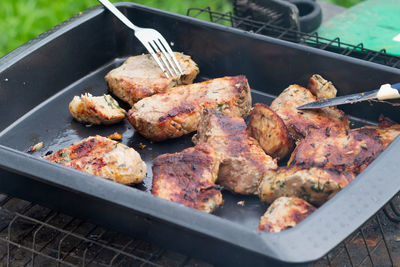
(22,20)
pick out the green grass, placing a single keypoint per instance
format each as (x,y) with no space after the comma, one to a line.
(22,20)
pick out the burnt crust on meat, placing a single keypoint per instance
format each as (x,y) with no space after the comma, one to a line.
(315,185)
(351,150)
(243,162)
(300,122)
(140,76)
(102,157)
(177,111)
(188,177)
(270,131)
(285,213)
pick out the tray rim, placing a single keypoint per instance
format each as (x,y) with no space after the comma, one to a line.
(253,240)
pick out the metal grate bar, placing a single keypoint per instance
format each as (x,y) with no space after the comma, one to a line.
(117,254)
(218,18)
(385,240)
(348,254)
(396,64)
(367,247)
(355,48)
(330,43)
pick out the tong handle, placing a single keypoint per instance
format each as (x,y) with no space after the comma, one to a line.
(388,91)
(396,86)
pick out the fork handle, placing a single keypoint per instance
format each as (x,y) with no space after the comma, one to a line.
(118,14)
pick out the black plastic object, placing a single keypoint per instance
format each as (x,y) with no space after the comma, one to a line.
(39,79)
(301,15)
(310,14)
(274,12)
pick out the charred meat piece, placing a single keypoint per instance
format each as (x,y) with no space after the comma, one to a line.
(285,213)
(270,131)
(102,157)
(243,162)
(140,77)
(320,87)
(188,177)
(299,122)
(96,109)
(177,111)
(315,185)
(351,150)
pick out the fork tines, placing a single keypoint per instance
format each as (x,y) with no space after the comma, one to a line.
(163,55)
(153,41)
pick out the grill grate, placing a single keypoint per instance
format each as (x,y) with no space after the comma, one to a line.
(31,235)
(293,35)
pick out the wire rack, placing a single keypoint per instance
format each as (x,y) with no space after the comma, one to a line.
(291,34)
(32,235)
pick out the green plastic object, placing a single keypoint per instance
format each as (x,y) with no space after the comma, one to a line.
(375,23)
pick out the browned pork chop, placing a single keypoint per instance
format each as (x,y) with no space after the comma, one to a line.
(243,161)
(350,150)
(102,157)
(188,177)
(285,213)
(315,185)
(177,111)
(140,77)
(299,122)
(270,131)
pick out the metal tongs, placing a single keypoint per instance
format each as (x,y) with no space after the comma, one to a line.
(154,42)
(386,91)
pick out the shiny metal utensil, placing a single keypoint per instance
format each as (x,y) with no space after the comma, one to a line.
(154,42)
(385,92)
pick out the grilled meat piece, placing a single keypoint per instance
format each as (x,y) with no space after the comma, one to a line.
(315,185)
(270,131)
(140,77)
(320,87)
(188,177)
(177,111)
(385,121)
(299,122)
(243,162)
(351,150)
(96,109)
(102,157)
(285,213)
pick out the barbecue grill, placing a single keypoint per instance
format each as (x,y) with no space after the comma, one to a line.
(33,235)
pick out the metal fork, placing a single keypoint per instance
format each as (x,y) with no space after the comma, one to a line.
(154,42)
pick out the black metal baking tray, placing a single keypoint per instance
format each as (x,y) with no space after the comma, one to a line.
(38,80)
